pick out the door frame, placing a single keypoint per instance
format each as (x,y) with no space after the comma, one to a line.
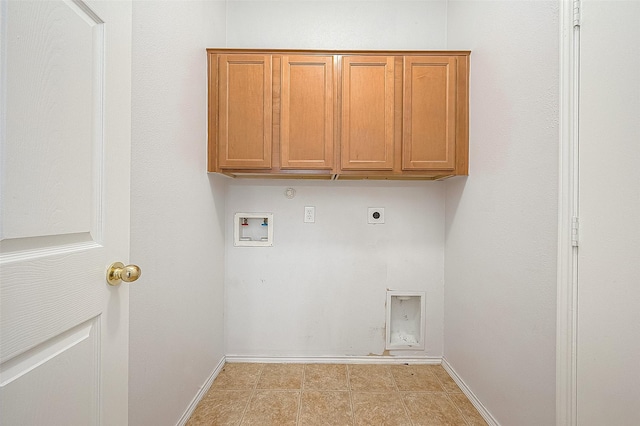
(568,215)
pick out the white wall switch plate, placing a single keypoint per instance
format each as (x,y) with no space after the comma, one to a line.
(375,215)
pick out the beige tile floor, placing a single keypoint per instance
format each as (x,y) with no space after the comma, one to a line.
(334,394)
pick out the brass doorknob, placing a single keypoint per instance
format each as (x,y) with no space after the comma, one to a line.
(117,272)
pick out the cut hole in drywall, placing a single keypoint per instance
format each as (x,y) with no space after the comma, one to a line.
(405,320)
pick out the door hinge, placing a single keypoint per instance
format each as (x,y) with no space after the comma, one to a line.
(577,12)
(575,224)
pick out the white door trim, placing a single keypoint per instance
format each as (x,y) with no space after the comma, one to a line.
(567,288)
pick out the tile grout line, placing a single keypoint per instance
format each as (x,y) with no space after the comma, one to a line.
(404,406)
(253,392)
(304,371)
(464,418)
(353,411)
(393,379)
(446,392)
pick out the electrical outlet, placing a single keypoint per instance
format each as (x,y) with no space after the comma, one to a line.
(375,215)
(309,214)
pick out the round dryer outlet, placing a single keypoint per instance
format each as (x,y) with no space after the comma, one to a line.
(375,215)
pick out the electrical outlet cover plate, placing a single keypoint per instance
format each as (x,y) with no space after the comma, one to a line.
(375,215)
(309,214)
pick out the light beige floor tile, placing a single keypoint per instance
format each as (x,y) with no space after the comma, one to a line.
(379,408)
(416,378)
(432,409)
(281,376)
(446,381)
(272,408)
(220,407)
(370,378)
(271,394)
(238,376)
(320,408)
(325,376)
(468,410)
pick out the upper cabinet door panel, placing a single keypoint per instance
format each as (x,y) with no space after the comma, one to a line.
(367,113)
(306,121)
(245,111)
(429,112)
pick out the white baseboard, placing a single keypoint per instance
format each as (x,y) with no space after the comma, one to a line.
(486,415)
(335,359)
(203,391)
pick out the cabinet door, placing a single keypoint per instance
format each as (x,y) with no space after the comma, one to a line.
(244,111)
(367,113)
(429,111)
(306,121)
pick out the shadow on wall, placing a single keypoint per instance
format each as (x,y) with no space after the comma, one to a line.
(218,184)
(454,190)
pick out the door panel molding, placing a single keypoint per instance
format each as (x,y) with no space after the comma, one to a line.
(22,364)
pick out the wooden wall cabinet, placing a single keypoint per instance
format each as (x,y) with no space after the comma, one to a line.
(429,113)
(245,112)
(367,137)
(338,114)
(306,117)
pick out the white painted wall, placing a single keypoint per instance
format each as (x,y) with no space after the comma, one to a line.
(320,24)
(501,221)
(177,211)
(609,253)
(321,289)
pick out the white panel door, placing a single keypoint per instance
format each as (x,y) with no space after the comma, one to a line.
(65,149)
(608,338)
